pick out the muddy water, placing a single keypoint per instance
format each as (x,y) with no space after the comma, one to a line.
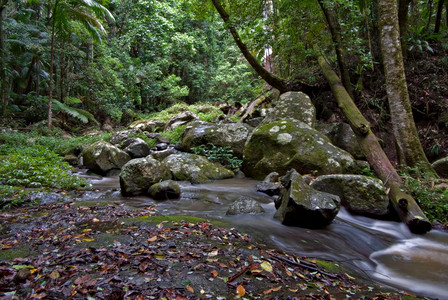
(381,251)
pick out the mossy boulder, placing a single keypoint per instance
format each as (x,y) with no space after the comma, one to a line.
(180,119)
(342,136)
(362,195)
(164,190)
(195,168)
(293,105)
(245,205)
(101,157)
(441,167)
(302,206)
(139,174)
(286,144)
(135,147)
(233,135)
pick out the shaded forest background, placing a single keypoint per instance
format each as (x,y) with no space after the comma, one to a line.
(112,62)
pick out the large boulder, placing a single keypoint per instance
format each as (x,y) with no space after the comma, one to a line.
(141,173)
(120,136)
(164,190)
(342,136)
(359,194)
(233,135)
(135,147)
(245,205)
(286,144)
(180,119)
(293,105)
(102,157)
(441,167)
(195,168)
(302,206)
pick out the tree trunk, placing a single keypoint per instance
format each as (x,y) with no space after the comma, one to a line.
(438,16)
(409,149)
(335,31)
(403,15)
(406,207)
(50,85)
(2,61)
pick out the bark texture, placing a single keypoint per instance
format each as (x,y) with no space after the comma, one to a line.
(2,60)
(406,207)
(409,149)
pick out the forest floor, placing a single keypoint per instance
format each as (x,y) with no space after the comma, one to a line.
(103,250)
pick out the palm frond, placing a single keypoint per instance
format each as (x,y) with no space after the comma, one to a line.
(80,114)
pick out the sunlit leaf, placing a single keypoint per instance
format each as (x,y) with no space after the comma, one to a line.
(266,266)
(240,290)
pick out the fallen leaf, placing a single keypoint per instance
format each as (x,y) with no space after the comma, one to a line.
(190,289)
(214,273)
(240,290)
(95,220)
(153,239)
(87,240)
(160,226)
(82,279)
(288,272)
(266,266)
(350,277)
(54,275)
(213,253)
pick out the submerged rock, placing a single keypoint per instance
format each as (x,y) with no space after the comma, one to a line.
(101,157)
(195,168)
(302,206)
(164,190)
(286,144)
(245,205)
(359,194)
(139,174)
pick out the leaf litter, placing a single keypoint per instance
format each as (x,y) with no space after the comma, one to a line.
(79,252)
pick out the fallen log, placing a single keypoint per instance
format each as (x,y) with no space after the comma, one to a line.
(404,204)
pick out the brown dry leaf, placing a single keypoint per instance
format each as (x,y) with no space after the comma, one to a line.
(240,290)
(276,289)
(153,239)
(95,220)
(214,273)
(190,289)
(294,290)
(160,226)
(267,292)
(288,272)
(54,275)
(82,279)
(143,267)
(213,253)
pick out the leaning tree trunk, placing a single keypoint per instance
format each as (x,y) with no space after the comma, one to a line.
(2,60)
(410,151)
(406,207)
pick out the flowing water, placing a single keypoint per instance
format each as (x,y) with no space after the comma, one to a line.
(381,251)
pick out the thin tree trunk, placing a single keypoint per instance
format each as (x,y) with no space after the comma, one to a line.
(438,16)
(403,16)
(2,60)
(335,31)
(406,207)
(409,149)
(50,85)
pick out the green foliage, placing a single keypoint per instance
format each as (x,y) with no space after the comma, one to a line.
(175,135)
(433,201)
(222,155)
(78,113)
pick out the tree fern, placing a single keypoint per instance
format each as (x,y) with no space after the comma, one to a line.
(78,113)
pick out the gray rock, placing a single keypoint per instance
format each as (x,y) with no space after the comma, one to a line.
(139,174)
(136,147)
(149,125)
(164,190)
(161,155)
(269,188)
(441,167)
(293,105)
(286,144)
(102,157)
(359,194)
(157,136)
(302,206)
(233,135)
(342,136)
(245,205)
(272,177)
(195,168)
(121,136)
(180,119)
(254,122)
(161,146)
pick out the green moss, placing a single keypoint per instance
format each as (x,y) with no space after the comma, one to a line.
(16,252)
(327,265)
